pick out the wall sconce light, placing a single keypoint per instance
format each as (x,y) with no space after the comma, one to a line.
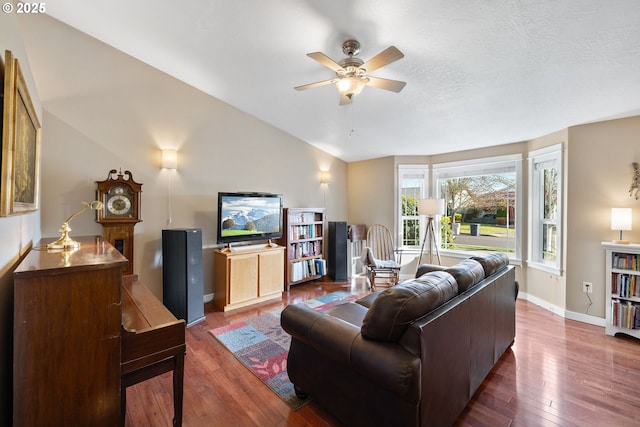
(169,159)
(621,219)
(169,162)
(65,242)
(325,177)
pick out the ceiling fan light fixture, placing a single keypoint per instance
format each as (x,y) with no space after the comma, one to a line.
(350,86)
(352,74)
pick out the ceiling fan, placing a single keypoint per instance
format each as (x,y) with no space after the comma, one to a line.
(352,74)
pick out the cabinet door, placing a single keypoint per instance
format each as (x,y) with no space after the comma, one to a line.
(271,273)
(243,277)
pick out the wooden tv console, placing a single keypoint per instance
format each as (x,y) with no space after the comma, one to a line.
(247,275)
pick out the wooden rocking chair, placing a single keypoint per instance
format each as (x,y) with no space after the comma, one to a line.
(379,257)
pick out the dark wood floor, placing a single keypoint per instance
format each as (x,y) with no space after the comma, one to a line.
(558,373)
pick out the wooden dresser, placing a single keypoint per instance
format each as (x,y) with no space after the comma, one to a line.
(66,352)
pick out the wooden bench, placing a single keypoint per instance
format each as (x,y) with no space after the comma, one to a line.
(153,342)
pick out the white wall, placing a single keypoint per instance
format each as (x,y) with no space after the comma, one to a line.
(600,176)
(371,189)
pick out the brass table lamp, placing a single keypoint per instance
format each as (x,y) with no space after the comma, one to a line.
(65,242)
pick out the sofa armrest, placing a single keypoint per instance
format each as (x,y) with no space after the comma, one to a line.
(390,366)
(327,334)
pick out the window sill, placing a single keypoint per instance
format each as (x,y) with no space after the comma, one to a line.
(466,254)
(544,267)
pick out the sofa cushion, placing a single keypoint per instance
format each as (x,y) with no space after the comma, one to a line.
(368,299)
(427,268)
(492,262)
(395,308)
(350,312)
(467,273)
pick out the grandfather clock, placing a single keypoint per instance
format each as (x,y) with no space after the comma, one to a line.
(120,196)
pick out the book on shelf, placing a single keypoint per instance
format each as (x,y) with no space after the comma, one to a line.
(321,266)
(626,261)
(301,232)
(625,285)
(301,270)
(625,314)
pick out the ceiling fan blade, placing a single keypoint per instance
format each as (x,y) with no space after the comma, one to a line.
(385,57)
(316,84)
(325,60)
(344,99)
(386,84)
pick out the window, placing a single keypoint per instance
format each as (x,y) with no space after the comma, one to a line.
(545,179)
(481,199)
(412,181)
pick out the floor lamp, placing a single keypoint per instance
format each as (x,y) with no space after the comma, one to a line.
(430,208)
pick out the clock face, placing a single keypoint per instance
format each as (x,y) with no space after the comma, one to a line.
(118,202)
(119,205)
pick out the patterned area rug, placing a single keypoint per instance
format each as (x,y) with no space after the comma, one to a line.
(262,346)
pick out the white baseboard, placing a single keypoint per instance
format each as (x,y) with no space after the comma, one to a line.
(586,318)
(571,315)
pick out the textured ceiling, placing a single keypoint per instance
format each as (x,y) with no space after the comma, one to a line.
(478,73)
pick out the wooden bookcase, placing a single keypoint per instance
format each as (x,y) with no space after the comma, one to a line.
(303,239)
(622,289)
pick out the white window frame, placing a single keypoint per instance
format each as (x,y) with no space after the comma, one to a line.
(485,166)
(404,170)
(538,159)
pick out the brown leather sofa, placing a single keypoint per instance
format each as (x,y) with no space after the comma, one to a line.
(410,355)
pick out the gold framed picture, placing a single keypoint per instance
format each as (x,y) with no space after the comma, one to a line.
(20,178)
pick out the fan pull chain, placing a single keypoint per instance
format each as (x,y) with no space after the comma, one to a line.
(351,127)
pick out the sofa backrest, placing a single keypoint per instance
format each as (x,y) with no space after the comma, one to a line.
(492,262)
(395,308)
(427,268)
(467,273)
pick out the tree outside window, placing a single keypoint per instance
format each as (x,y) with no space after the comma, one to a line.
(413,186)
(481,200)
(545,177)
(550,203)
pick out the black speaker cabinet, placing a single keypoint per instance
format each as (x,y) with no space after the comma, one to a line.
(337,251)
(182,282)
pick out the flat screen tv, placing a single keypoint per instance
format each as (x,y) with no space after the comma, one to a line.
(244,217)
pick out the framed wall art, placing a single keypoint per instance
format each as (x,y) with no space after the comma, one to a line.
(20,176)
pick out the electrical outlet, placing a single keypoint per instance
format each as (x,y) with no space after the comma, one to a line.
(587,287)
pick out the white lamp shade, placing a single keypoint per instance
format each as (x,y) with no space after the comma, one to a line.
(169,159)
(621,218)
(325,177)
(431,207)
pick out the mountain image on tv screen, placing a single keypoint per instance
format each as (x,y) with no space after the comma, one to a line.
(249,216)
